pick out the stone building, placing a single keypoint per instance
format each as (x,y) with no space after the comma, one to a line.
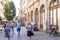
(45,13)
(2,2)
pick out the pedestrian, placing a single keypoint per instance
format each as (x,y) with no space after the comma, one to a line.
(55,31)
(18,27)
(52,31)
(12,25)
(29,30)
(33,25)
(7,28)
(36,27)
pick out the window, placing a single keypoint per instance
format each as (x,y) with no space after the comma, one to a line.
(53,2)
(59,1)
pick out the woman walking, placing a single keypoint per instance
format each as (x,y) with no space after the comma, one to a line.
(29,30)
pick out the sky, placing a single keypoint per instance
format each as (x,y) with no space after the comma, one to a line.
(16,2)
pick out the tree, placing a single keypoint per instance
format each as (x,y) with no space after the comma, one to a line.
(10,10)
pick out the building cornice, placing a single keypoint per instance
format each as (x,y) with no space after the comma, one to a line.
(32,3)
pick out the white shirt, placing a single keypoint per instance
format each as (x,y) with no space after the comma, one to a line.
(29,28)
(32,23)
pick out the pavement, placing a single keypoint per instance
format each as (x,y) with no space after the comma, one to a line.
(23,36)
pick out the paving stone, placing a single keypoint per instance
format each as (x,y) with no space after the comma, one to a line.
(23,36)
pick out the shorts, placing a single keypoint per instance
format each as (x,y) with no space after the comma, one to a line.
(29,33)
(18,29)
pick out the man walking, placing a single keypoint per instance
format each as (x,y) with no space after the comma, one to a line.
(18,27)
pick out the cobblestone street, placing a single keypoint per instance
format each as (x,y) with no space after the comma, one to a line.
(43,15)
(23,36)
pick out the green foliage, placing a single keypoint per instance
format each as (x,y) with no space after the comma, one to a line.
(10,10)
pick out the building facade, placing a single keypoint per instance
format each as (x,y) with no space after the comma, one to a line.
(22,8)
(45,13)
(2,2)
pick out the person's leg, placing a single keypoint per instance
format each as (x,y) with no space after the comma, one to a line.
(13,30)
(8,38)
(1,30)
(50,33)
(9,34)
(54,32)
(30,37)
(18,31)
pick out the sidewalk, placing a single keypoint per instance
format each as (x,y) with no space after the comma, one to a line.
(23,36)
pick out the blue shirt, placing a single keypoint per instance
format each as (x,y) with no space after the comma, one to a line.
(18,25)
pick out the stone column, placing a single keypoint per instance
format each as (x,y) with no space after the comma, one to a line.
(33,16)
(57,15)
(44,19)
